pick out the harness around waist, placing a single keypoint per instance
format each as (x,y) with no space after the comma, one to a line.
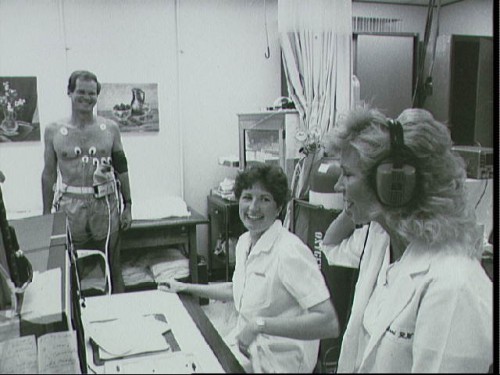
(97,191)
(79,190)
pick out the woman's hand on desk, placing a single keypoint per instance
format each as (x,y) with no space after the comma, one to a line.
(172,286)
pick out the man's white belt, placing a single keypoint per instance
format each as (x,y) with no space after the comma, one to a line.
(76,189)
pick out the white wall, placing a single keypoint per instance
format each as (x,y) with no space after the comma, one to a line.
(468,17)
(223,71)
(31,45)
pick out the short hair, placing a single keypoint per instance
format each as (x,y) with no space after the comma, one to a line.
(84,75)
(272,178)
(440,211)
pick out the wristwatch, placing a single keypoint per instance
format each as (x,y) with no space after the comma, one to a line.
(260,323)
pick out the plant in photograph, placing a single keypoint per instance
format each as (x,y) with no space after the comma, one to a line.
(10,104)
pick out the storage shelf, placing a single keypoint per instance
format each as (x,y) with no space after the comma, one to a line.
(225,228)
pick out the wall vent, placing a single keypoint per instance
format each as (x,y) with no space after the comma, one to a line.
(376,25)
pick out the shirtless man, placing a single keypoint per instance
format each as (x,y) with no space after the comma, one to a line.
(83,155)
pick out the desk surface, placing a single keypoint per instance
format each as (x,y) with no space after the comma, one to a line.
(212,337)
(192,330)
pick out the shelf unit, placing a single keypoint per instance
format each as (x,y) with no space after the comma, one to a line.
(225,228)
(269,137)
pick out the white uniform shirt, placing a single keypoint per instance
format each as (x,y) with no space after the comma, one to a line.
(431,311)
(279,278)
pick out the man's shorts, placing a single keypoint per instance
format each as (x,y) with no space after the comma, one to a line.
(89,217)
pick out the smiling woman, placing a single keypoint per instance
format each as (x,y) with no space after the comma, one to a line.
(280,318)
(262,192)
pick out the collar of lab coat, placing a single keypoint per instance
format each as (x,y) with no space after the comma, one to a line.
(415,261)
(266,241)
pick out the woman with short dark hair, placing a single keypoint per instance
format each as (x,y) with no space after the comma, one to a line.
(281,298)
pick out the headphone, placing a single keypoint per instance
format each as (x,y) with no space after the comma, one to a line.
(396,175)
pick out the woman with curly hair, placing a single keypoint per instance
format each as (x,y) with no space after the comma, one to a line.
(280,295)
(422,302)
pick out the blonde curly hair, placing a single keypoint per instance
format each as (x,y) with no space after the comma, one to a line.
(439,212)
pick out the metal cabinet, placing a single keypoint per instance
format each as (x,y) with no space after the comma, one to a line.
(309,223)
(269,137)
(463,87)
(225,228)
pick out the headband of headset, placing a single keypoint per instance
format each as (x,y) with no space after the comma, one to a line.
(396,176)
(399,151)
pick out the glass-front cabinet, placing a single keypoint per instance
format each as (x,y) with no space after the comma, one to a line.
(269,137)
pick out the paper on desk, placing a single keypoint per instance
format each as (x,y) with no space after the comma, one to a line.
(158,208)
(129,335)
(19,356)
(42,301)
(171,363)
(58,353)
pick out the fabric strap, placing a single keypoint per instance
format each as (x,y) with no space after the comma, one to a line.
(76,189)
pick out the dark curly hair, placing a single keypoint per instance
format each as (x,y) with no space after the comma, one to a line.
(85,75)
(272,178)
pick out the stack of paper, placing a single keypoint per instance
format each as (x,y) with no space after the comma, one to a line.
(42,303)
(52,353)
(128,336)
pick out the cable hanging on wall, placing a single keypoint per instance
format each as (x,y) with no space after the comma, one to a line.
(62,27)
(268,51)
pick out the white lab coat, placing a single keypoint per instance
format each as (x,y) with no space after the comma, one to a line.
(280,278)
(436,315)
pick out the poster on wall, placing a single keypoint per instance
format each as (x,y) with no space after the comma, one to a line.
(134,106)
(19,120)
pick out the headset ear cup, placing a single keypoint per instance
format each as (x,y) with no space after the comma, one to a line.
(395,186)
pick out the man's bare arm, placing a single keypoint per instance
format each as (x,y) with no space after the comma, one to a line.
(49,174)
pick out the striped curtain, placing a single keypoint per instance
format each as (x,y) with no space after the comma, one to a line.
(316,39)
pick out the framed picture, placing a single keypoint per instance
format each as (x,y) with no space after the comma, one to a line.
(19,120)
(134,106)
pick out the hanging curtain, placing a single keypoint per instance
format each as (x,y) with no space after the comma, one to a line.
(315,38)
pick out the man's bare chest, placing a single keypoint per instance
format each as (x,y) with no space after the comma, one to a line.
(92,141)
